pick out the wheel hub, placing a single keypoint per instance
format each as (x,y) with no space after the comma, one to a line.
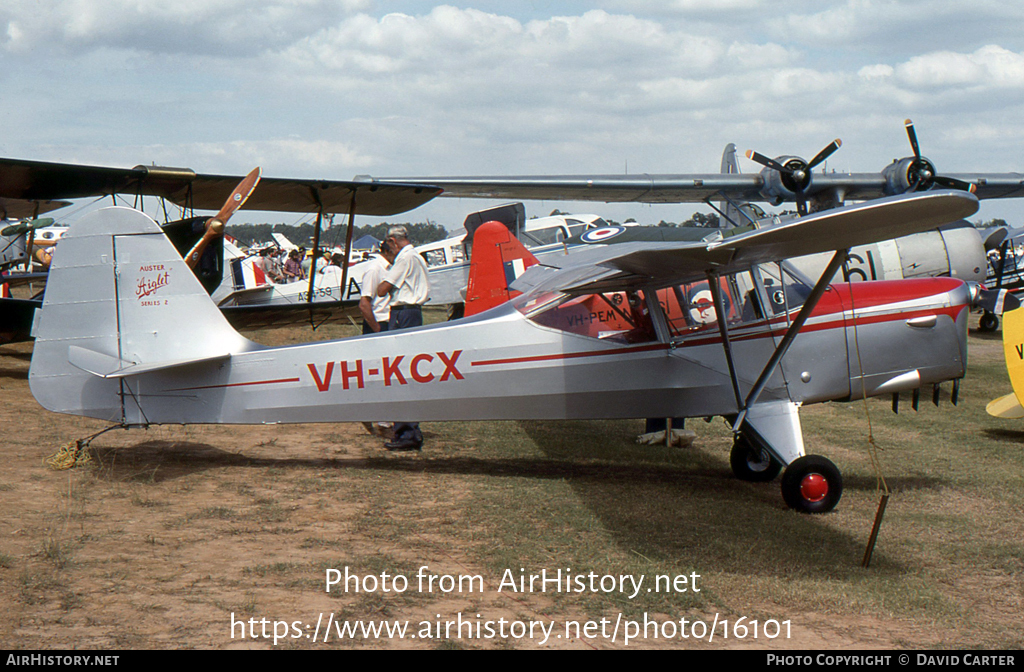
(814,487)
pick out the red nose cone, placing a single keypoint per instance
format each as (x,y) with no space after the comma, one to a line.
(814,487)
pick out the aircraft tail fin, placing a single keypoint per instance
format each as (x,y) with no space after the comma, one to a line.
(498,259)
(1009,406)
(120,301)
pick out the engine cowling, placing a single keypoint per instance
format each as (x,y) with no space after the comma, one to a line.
(781,186)
(909,174)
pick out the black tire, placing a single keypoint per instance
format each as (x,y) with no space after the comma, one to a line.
(751,464)
(812,484)
(988,322)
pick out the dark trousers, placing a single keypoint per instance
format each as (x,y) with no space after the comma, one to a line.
(368,330)
(406,317)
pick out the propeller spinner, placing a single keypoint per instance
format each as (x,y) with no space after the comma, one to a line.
(791,174)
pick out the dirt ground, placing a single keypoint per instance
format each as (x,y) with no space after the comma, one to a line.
(172,534)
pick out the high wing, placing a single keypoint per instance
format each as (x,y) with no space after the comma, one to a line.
(785,178)
(43,181)
(694,188)
(632,265)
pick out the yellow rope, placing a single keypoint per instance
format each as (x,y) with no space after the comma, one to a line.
(880,484)
(71,455)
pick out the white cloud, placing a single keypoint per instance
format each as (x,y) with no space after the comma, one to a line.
(331,88)
(162,26)
(989,66)
(899,27)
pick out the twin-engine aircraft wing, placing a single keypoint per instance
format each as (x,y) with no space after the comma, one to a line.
(632,265)
(43,181)
(783,179)
(691,188)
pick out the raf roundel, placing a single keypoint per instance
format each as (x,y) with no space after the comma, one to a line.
(602,234)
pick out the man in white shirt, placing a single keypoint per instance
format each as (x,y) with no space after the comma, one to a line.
(407,285)
(376,310)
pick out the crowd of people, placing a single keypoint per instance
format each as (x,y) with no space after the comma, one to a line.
(284,266)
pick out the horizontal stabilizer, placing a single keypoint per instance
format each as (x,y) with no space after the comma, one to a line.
(106,366)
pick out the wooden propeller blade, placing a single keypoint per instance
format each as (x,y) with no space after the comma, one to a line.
(215,225)
(239,196)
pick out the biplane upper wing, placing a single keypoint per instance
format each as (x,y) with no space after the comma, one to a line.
(631,265)
(43,181)
(19,208)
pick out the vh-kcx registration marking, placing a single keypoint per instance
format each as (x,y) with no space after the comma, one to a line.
(400,370)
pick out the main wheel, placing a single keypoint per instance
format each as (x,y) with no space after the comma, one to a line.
(752,464)
(988,322)
(456,311)
(812,484)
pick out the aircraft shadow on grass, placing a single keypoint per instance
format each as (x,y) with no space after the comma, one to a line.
(698,514)
(693,512)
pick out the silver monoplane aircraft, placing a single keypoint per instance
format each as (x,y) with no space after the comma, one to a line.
(127,334)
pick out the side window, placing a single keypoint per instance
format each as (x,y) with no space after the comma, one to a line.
(434,258)
(620,317)
(785,291)
(545,236)
(690,308)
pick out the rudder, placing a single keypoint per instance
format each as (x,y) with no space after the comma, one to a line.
(119,300)
(498,259)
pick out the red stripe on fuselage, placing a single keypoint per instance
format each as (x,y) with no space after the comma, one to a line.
(254,382)
(865,295)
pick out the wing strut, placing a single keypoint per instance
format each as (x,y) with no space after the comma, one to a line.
(316,249)
(716,295)
(819,289)
(348,247)
(732,205)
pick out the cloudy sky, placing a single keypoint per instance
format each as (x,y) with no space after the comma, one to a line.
(336,88)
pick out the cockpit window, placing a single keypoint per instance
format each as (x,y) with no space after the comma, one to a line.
(690,307)
(547,236)
(784,288)
(620,317)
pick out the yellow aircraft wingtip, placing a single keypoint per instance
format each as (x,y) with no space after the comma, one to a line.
(1005,407)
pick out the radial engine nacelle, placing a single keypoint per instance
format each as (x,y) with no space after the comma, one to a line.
(784,185)
(908,174)
(789,177)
